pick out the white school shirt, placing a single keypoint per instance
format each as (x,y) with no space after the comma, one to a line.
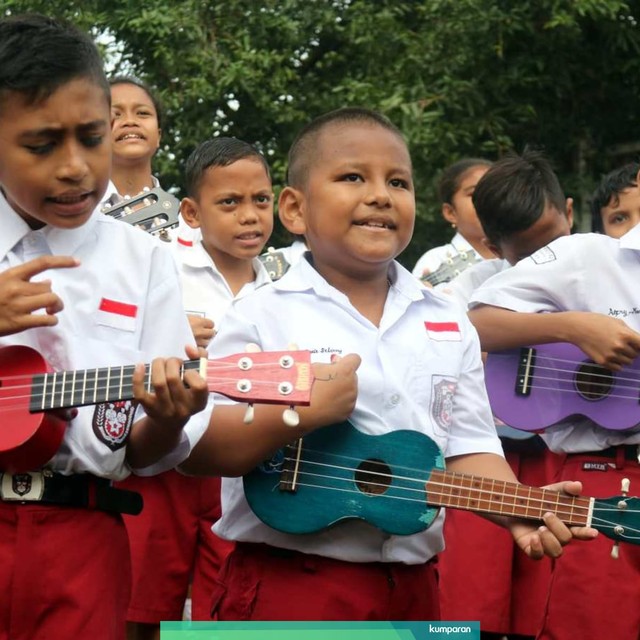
(122,306)
(582,272)
(410,378)
(463,285)
(205,291)
(433,258)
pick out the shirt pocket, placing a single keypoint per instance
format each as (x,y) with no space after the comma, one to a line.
(117,314)
(432,381)
(116,320)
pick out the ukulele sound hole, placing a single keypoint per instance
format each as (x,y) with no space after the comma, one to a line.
(373,477)
(593,382)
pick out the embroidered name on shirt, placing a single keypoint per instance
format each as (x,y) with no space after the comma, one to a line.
(119,308)
(326,350)
(443,331)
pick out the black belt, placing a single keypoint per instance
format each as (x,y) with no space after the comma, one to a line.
(83,491)
(630,452)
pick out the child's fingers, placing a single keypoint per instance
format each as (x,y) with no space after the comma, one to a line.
(29,269)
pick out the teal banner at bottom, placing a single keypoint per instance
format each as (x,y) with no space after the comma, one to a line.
(320,630)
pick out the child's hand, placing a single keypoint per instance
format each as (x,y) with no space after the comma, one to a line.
(173,397)
(202,329)
(20,298)
(334,392)
(608,341)
(548,539)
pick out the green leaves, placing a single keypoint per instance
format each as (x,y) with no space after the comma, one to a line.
(460,77)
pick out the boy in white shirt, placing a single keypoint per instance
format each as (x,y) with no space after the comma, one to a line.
(64,569)
(230,204)
(351,195)
(580,289)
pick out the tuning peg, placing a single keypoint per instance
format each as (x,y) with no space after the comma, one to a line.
(291,417)
(625,484)
(248,414)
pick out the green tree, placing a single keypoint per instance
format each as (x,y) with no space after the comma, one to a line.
(460,77)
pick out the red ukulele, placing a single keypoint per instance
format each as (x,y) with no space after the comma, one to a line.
(29,436)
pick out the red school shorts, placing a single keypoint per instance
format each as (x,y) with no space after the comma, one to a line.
(592,595)
(260,582)
(64,573)
(172,545)
(483,574)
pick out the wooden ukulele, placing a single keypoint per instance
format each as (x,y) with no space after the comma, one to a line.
(29,437)
(397,482)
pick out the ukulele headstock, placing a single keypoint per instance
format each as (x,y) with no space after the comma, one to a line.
(618,518)
(265,377)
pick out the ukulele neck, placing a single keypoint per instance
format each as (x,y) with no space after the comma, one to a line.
(66,389)
(484,495)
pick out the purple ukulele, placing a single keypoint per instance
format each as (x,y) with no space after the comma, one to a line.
(536,387)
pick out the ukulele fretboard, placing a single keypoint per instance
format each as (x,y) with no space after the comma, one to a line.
(460,491)
(64,389)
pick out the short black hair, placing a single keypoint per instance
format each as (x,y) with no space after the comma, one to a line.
(153,96)
(217,152)
(513,194)
(609,190)
(304,147)
(453,175)
(39,54)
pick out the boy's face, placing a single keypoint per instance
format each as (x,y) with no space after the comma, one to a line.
(234,210)
(55,155)
(552,224)
(135,123)
(622,213)
(357,208)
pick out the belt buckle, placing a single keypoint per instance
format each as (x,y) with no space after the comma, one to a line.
(22,486)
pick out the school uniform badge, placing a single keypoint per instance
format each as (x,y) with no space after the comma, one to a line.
(21,483)
(442,393)
(543,255)
(112,422)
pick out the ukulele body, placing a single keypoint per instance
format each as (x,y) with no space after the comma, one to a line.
(536,387)
(344,474)
(27,440)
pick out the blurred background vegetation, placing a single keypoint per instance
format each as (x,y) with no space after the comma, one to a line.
(459,77)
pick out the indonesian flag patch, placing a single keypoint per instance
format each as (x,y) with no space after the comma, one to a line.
(443,331)
(118,308)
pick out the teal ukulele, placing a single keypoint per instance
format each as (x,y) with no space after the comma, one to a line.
(397,482)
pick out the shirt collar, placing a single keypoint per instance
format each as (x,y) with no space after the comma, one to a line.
(303,277)
(461,245)
(197,257)
(59,241)
(631,239)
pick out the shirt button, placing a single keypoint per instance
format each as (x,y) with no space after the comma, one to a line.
(395,398)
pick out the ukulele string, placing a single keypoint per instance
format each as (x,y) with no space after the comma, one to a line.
(546,500)
(572,390)
(571,364)
(601,522)
(546,503)
(94,387)
(605,378)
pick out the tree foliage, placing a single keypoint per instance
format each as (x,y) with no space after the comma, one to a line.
(460,77)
